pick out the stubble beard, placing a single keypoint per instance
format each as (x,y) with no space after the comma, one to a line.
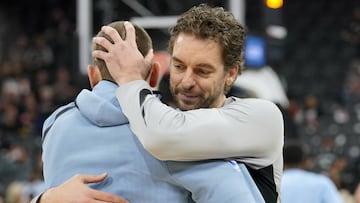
(202,102)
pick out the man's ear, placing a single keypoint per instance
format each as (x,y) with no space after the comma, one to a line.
(94,75)
(155,74)
(231,75)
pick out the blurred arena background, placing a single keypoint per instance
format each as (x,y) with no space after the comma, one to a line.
(302,55)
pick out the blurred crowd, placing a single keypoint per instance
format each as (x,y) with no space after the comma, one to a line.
(39,72)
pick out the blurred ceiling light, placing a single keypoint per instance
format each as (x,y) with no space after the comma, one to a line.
(276,31)
(274,4)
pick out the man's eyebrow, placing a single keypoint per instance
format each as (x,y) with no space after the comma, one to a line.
(200,65)
(205,65)
(174,58)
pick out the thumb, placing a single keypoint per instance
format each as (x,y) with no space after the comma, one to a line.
(92,178)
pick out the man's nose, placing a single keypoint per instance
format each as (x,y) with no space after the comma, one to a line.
(188,80)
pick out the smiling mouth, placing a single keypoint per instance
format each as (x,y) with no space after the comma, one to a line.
(188,98)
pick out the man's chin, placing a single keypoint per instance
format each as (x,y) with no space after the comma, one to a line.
(186,107)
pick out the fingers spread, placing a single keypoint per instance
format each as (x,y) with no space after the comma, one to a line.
(112,33)
(107,197)
(99,54)
(130,34)
(102,41)
(91,178)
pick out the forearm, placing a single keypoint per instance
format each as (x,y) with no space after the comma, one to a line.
(204,133)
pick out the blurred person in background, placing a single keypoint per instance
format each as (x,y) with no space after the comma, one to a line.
(357,194)
(299,185)
(15,193)
(351,33)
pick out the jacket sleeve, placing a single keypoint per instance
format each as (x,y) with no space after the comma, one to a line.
(246,129)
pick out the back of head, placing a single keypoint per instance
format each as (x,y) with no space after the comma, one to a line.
(293,154)
(215,24)
(143,42)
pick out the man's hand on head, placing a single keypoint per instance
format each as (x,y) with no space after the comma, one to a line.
(122,58)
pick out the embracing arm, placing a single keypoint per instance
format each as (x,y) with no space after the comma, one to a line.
(250,129)
(75,190)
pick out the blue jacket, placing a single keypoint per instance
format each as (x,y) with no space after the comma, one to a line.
(92,136)
(299,186)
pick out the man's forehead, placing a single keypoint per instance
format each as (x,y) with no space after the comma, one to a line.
(189,49)
(179,39)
